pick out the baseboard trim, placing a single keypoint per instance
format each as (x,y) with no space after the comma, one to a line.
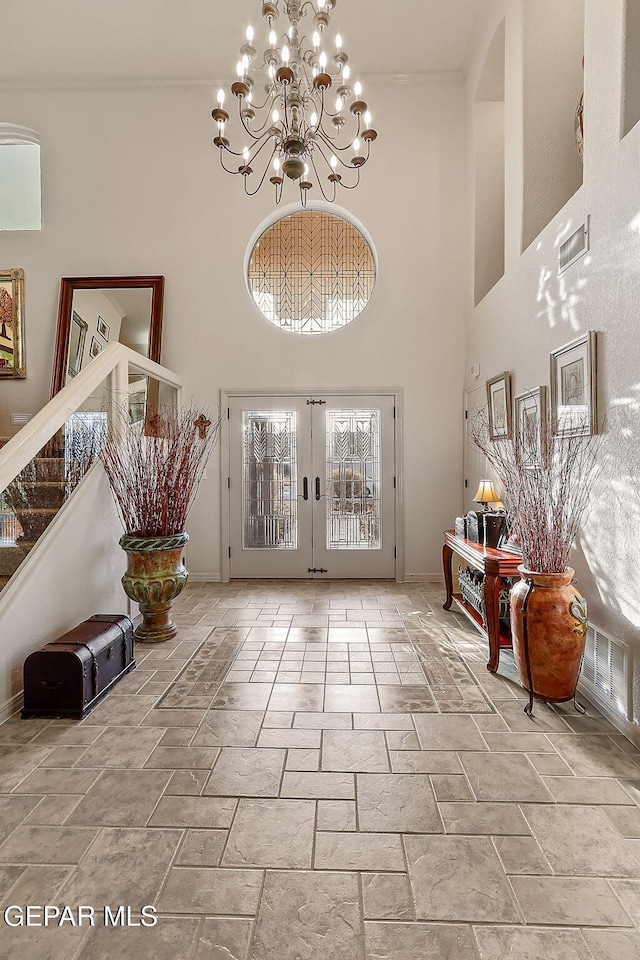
(11,706)
(423,578)
(205,578)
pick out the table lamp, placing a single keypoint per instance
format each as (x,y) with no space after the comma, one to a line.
(486,494)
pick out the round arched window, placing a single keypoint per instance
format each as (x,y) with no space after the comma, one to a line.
(311,272)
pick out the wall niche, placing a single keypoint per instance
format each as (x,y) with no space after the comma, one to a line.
(631,67)
(553,45)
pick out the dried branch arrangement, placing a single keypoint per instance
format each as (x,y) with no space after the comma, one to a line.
(154,467)
(546,503)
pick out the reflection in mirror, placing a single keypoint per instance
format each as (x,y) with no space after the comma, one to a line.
(96,311)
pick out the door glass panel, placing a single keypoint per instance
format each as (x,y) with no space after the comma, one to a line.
(269,480)
(353,480)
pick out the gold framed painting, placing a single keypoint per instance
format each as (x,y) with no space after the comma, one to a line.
(12,324)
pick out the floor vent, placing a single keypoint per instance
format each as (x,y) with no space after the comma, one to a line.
(574,248)
(606,672)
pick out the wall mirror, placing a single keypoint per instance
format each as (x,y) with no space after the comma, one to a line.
(95,311)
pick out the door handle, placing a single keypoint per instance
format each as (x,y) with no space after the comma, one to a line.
(305,488)
(317,488)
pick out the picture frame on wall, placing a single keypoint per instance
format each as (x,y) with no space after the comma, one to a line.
(573,387)
(95,348)
(531,426)
(77,338)
(104,329)
(499,403)
(12,363)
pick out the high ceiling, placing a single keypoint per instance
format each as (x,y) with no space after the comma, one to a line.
(76,41)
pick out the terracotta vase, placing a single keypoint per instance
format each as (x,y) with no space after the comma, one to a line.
(548,627)
(154,578)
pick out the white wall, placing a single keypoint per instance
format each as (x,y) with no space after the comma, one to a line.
(132,185)
(89,305)
(531,311)
(76,575)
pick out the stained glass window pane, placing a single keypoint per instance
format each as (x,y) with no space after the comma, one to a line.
(354,480)
(269,480)
(311,272)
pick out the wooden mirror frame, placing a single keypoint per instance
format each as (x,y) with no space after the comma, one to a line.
(70,284)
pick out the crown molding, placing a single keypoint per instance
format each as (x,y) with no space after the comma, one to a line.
(116,84)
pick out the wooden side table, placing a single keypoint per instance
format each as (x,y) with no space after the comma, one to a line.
(494,565)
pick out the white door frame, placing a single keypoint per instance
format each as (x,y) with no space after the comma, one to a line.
(225,465)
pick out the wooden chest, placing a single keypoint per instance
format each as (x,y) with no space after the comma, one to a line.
(68,677)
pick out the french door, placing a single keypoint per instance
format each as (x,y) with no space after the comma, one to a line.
(311,486)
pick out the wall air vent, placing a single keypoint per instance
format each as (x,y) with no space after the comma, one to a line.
(574,248)
(606,673)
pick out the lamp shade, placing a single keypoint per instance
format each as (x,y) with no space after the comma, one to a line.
(487,493)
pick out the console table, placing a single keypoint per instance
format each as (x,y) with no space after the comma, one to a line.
(494,565)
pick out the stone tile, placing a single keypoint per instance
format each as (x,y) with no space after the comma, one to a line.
(409,698)
(298,696)
(522,855)
(354,750)
(359,851)
(383,721)
(121,798)
(63,756)
(53,810)
(609,944)
(211,891)
(49,780)
(210,812)
(173,718)
(400,802)
(276,719)
(18,762)
(598,790)
(38,885)
(171,939)
(177,736)
(224,939)
(246,772)
(229,728)
(425,761)
(518,742)
(543,720)
(242,696)
(568,901)
(449,733)
(318,786)
(451,787)
(9,876)
(290,738)
(626,820)
(310,915)
(518,944)
(628,892)
(187,783)
(202,848)
(13,810)
(41,943)
(188,758)
(303,760)
(121,712)
(408,941)
(580,841)
(271,833)
(66,735)
(351,698)
(484,819)
(323,721)
(594,756)
(402,740)
(387,896)
(46,845)
(550,764)
(458,878)
(336,815)
(504,777)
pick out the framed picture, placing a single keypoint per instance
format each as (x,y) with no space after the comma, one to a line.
(573,387)
(499,400)
(95,348)
(104,329)
(12,324)
(531,425)
(77,337)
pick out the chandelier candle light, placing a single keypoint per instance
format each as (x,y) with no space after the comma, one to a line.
(296,132)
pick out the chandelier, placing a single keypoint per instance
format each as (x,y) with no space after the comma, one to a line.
(296,133)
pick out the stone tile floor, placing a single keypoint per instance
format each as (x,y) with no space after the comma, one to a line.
(322,771)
